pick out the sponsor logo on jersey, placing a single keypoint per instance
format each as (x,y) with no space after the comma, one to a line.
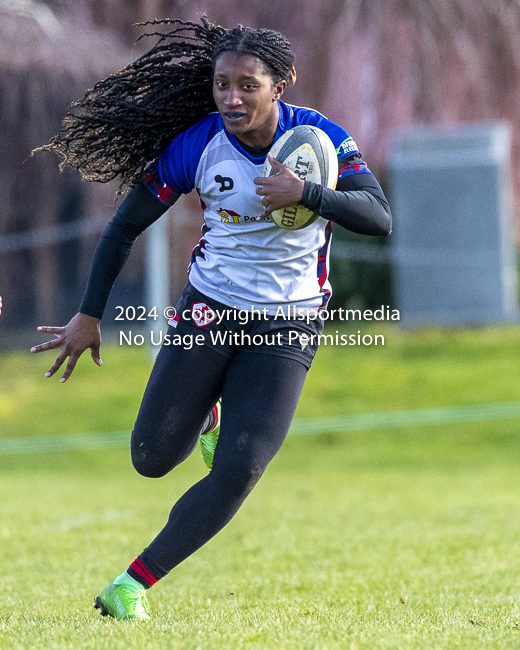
(226,183)
(346,147)
(201,314)
(228,216)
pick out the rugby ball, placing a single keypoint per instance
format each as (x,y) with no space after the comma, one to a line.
(309,152)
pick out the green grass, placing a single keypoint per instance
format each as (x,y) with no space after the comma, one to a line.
(418,369)
(401,539)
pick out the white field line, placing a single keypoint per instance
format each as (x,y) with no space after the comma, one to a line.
(312,426)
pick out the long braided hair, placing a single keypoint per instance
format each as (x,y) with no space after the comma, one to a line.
(127,119)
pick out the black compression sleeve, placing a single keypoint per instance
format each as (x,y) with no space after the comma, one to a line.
(138,211)
(358,204)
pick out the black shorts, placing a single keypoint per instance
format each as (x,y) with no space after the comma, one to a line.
(227,330)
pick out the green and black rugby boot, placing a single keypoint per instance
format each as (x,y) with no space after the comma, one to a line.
(123,603)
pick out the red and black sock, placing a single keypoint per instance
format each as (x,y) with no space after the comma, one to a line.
(144,576)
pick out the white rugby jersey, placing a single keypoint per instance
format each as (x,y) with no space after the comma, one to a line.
(241,261)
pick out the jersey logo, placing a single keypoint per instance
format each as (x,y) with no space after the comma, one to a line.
(201,314)
(348,146)
(228,216)
(226,183)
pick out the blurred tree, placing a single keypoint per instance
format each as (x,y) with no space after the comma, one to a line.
(42,69)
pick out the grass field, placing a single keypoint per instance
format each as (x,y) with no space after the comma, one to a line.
(395,538)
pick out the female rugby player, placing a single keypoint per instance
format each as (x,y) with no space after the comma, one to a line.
(162,109)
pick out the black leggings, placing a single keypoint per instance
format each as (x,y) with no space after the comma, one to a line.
(259,396)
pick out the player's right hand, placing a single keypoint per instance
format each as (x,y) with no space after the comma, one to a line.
(80,333)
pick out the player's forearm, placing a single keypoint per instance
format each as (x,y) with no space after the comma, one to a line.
(138,211)
(109,259)
(362,209)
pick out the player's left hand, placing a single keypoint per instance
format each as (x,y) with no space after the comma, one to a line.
(282,190)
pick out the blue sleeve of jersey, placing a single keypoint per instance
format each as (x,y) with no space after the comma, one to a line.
(154,184)
(177,164)
(340,138)
(349,156)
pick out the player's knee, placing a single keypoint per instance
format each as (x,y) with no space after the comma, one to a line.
(149,466)
(153,456)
